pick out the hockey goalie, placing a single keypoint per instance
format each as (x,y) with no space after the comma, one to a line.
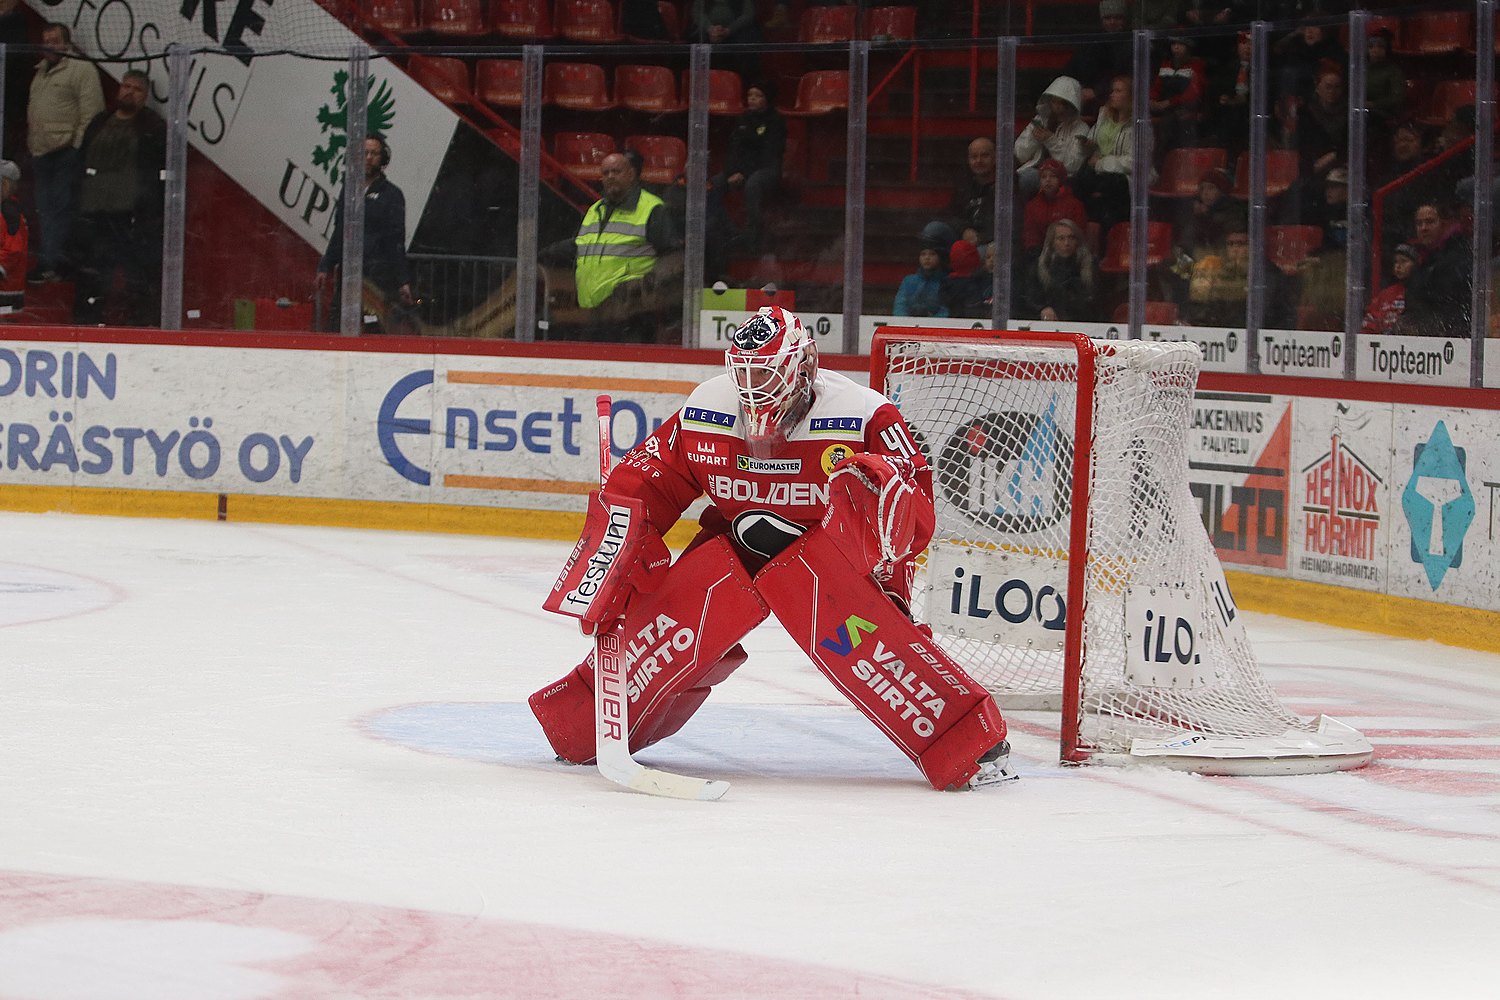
(819,502)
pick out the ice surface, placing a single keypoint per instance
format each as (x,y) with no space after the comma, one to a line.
(245,761)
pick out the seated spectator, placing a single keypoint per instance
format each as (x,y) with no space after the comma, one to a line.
(723,22)
(1385,84)
(753,164)
(1095,64)
(973,201)
(1057,132)
(1439,288)
(1390,302)
(1061,285)
(1204,222)
(1406,151)
(1229,97)
(1219,288)
(1331,213)
(1177,95)
(1103,182)
(1052,201)
(1322,137)
(923,293)
(1296,59)
(970,285)
(14,240)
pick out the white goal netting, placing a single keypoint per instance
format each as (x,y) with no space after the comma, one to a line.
(1122,619)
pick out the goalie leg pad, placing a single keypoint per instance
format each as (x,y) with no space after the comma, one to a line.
(679,640)
(880,659)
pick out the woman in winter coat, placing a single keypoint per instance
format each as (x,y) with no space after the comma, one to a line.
(1062,284)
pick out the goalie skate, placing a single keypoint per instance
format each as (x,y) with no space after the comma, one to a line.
(994,769)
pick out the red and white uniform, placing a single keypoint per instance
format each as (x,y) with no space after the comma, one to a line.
(765,503)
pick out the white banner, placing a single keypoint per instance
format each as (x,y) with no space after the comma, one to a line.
(276,123)
(1307,353)
(1341,495)
(1412,360)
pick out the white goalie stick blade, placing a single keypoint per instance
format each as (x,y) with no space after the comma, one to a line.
(612,716)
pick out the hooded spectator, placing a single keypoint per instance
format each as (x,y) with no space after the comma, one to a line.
(1057,132)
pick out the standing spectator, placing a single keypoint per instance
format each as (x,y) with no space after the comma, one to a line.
(1103,182)
(1439,288)
(756,148)
(1229,97)
(120,207)
(13,240)
(1298,57)
(1177,95)
(1061,285)
(1322,134)
(1052,202)
(1390,302)
(65,97)
(924,292)
(1056,132)
(618,253)
(1095,64)
(385,266)
(973,201)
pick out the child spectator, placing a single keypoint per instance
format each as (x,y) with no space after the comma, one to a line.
(1385,83)
(1052,201)
(1177,95)
(970,286)
(14,240)
(1057,132)
(1390,302)
(924,292)
(1061,285)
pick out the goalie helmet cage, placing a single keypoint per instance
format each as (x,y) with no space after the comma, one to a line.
(1070,568)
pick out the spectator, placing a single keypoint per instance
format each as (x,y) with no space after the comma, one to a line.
(1103,182)
(1095,64)
(756,148)
(1229,97)
(1204,13)
(1052,201)
(1385,83)
(14,241)
(1407,152)
(65,97)
(973,202)
(1322,136)
(1298,56)
(1439,288)
(1161,13)
(923,293)
(1390,302)
(1060,286)
(1056,132)
(1331,213)
(723,22)
(618,255)
(970,285)
(385,267)
(1209,217)
(120,208)
(1177,95)
(1220,284)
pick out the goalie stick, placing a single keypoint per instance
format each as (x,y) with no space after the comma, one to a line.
(612,698)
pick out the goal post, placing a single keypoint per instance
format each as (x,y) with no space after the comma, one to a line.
(1070,568)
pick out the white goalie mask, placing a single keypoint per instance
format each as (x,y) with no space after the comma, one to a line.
(772,361)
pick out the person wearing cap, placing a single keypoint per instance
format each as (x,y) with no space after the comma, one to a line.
(120,208)
(14,240)
(1389,303)
(1177,94)
(1052,201)
(65,96)
(1331,213)
(753,164)
(970,284)
(1057,132)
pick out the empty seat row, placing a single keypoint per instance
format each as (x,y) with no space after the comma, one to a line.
(584,86)
(590,21)
(663,157)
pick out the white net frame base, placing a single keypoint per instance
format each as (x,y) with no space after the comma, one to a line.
(1082,579)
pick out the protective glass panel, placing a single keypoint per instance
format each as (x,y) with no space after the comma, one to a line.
(931,183)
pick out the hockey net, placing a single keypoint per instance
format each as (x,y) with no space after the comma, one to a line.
(1081,577)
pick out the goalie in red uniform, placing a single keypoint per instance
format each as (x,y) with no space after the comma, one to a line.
(820,500)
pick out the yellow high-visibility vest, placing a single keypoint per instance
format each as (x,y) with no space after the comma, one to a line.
(613,249)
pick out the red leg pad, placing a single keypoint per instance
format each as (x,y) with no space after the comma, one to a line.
(683,636)
(888,667)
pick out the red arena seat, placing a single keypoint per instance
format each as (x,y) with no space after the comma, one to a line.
(1157,313)
(393,15)
(499,82)
(726,92)
(580,86)
(463,18)
(821,92)
(1184,168)
(828,25)
(1116,258)
(1436,33)
(582,152)
(590,21)
(444,77)
(663,157)
(1290,245)
(891,23)
(646,88)
(526,19)
(1281,173)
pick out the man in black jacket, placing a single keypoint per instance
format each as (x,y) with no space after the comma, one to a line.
(756,148)
(1439,291)
(120,208)
(385,266)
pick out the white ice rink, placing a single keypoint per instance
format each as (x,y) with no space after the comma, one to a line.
(243,762)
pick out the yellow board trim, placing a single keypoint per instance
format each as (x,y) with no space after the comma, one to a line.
(1407,617)
(1316,602)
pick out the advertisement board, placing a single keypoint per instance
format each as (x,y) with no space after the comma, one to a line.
(1342,500)
(1239,471)
(1412,360)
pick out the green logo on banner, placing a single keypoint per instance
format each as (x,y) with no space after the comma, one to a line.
(380,111)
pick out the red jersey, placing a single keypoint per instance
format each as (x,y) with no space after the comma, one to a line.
(764,502)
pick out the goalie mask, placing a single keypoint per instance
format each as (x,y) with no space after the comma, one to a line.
(772,361)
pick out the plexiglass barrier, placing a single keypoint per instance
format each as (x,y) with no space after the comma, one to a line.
(1300,197)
